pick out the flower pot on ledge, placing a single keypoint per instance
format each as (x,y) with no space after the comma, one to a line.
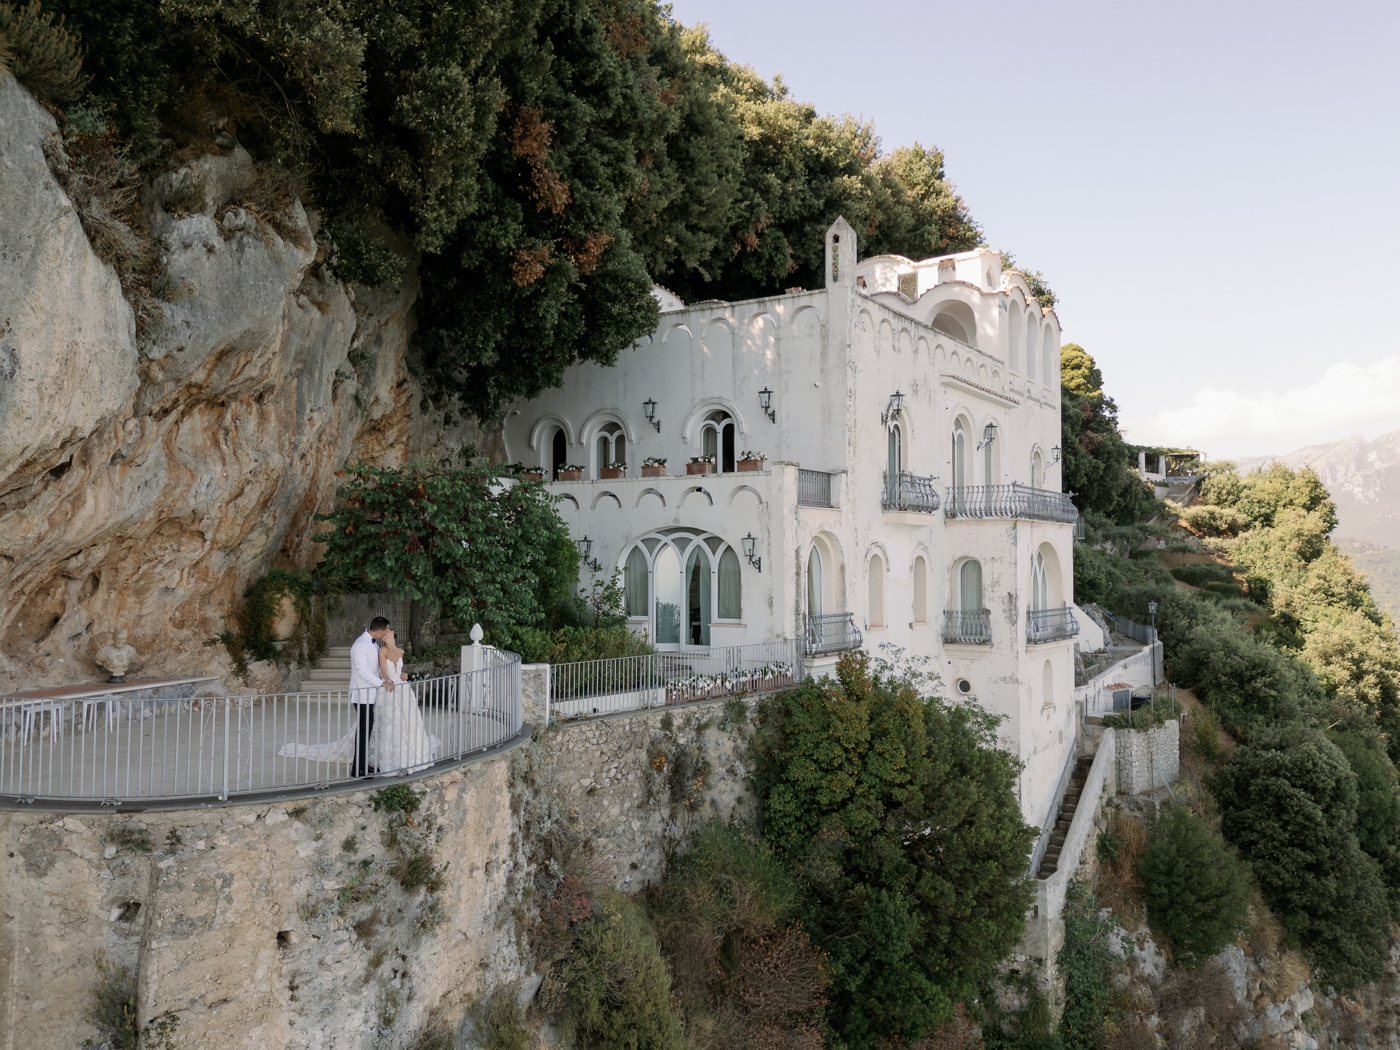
(533,475)
(611,473)
(571,475)
(747,465)
(699,468)
(654,470)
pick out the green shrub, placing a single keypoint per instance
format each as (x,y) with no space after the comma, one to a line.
(1208,520)
(1198,574)
(1288,802)
(499,1021)
(1097,574)
(1207,725)
(41,52)
(363,259)
(1377,803)
(617,990)
(113,1011)
(1087,967)
(1197,891)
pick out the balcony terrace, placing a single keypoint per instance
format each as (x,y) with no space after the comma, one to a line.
(1010,501)
(1050,625)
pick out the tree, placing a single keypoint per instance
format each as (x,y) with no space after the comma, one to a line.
(1197,891)
(1377,802)
(1098,465)
(486,548)
(899,814)
(1288,802)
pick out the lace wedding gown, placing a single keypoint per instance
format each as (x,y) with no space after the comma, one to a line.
(401,742)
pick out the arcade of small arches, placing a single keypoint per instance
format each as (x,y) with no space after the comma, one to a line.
(974,454)
(678,581)
(608,446)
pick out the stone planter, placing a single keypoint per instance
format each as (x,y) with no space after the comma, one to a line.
(612,473)
(288,618)
(533,475)
(571,475)
(747,465)
(657,470)
(699,468)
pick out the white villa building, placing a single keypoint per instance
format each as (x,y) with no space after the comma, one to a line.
(908,415)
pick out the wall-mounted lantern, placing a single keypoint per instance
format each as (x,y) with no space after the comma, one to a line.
(895,407)
(1152,612)
(750,545)
(765,402)
(989,435)
(649,407)
(1054,454)
(585,548)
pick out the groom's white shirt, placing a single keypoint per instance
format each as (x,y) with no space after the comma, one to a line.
(365,682)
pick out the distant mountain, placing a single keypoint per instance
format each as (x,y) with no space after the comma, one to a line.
(1364,480)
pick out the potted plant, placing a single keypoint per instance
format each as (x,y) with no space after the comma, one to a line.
(654,467)
(700,465)
(612,470)
(535,473)
(571,472)
(751,460)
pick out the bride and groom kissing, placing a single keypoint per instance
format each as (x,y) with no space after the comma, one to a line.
(387,735)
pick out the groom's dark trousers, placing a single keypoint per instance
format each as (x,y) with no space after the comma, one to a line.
(366,717)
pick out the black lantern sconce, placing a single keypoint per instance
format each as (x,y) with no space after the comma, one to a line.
(989,435)
(765,402)
(1152,612)
(1054,454)
(649,407)
(895,407)
(585,548)
(750,545)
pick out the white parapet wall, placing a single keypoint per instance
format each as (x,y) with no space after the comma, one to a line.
(1050,892)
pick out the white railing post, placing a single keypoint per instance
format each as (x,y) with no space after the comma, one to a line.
(223,797)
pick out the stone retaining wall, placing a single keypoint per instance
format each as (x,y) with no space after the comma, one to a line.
(1148,759)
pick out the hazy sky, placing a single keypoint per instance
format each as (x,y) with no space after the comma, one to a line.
(1211,189)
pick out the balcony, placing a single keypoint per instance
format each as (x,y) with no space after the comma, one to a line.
(832,633)
(907,491)
(1050,625)
(967,626)
(1009,501)
(813,488)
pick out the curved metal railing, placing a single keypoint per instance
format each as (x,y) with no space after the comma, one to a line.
(967,626)
(1050,625)
(1009,501)
(910,492)
(113,749)
(832,633)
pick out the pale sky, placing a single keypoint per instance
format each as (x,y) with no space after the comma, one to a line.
(1210,188)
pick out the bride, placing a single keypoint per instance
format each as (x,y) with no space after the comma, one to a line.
(401,741)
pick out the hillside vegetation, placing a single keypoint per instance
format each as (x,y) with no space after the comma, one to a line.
(542,161)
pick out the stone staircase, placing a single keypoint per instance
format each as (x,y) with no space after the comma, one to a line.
(331,672)
(1050,863)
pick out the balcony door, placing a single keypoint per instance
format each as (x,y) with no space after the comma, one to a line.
(959,464)
(670,596)
(894,455)
(717,439)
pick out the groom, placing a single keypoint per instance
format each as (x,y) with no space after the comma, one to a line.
(365,684)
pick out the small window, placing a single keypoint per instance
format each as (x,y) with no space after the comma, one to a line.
(970,586)
(814,583)
(637,583)
(909,285)
(1047,685)
(717,439)
(920,590)
(877,591)
(612,447)
(730,586)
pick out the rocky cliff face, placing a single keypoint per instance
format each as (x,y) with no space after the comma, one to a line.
(145,483)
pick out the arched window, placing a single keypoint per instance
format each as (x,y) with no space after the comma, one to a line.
(894,463)
(1032,345)
(612,447)
(697,587)
(920,590)
(717,439)
(669,595)
(814,583)
(1051,373)
(1040,584)
(959,456)
(731,606)
(1047,685)
(1015,337)
(970,586)
(559,453)
(637,583)
(1037,470)
(877,591)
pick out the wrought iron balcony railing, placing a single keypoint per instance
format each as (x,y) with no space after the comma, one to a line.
(832,633)
(813,488)
(1050,625)
(907,491)
(967,626)
(1009,501)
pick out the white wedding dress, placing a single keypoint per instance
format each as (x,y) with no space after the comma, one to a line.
(399,743)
